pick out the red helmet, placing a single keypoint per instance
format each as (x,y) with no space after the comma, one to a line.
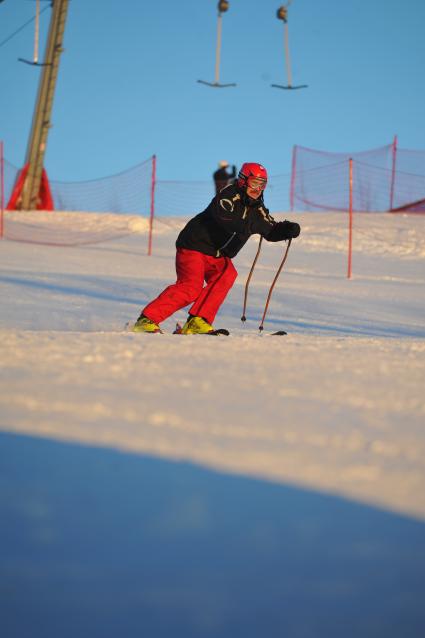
(251,169)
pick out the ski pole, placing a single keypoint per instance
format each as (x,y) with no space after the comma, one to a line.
(243,318)
(260,328)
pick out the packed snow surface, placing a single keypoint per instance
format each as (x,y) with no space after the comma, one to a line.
(334,410)
(337,405)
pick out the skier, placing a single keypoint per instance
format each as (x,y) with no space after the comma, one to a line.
(205,248)
(221,177)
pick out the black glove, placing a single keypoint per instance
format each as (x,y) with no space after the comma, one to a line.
(284,230)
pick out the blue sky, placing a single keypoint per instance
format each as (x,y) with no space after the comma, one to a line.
(127,85)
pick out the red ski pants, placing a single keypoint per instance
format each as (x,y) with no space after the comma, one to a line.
(193,269)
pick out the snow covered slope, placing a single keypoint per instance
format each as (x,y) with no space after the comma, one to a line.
(337,405)
(336,408)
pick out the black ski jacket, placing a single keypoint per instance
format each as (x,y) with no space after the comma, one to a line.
(225,226)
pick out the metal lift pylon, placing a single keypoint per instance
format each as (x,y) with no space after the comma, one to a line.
(34,61)
(43,109)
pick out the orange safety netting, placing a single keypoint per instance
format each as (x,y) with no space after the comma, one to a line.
(133,192)
(386,178)
(128,192)
(383,179)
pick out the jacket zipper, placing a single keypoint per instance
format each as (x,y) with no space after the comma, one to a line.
(224,245)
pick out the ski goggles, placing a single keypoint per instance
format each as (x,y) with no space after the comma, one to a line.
(256,183)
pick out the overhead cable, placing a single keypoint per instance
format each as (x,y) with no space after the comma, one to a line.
(12,35)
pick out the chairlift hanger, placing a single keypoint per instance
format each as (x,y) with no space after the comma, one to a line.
(223,6)
(34,61)
(282,14)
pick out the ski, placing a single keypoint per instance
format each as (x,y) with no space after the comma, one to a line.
(128,327)
(219,331)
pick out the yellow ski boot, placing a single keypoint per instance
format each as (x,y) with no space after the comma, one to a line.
(143,324)
(197,326)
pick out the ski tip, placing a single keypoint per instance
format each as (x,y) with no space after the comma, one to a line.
(178,330)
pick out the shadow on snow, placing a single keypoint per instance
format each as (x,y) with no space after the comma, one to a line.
(99,543)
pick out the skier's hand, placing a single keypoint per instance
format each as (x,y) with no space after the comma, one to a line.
(284,230)
(293,229)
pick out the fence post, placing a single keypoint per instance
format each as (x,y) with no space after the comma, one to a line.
(153,182)
(292,191)
(393,173)
(350,216)
(1,188)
